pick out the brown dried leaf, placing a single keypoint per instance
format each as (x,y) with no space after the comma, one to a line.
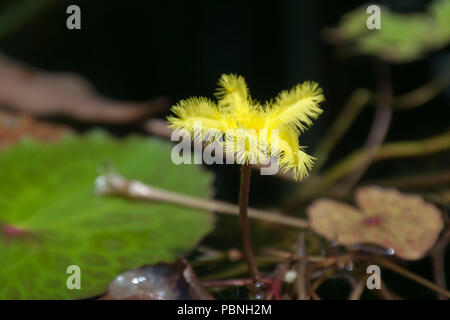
(387,217)
(14,127)
(44,93)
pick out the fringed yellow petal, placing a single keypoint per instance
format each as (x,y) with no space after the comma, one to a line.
(297,107)
(199,116)
(291,156)
(233,94)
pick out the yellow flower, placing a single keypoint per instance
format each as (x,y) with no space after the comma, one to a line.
(253,132)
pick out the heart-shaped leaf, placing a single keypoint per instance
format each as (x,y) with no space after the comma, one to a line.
(50,218)
(402,222)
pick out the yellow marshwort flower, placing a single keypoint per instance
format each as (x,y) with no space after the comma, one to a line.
(253,132)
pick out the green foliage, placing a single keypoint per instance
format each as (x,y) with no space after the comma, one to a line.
(402,37)
(440,12)
(46,194)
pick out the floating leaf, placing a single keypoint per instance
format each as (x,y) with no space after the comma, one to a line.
(401,38)
(385,217)
(50,218)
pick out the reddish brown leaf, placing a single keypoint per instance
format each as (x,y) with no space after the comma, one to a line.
(403,222)
(15,127)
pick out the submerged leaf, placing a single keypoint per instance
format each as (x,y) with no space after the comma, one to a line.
(50,218)
(161,281)
(402,222)
(401,37)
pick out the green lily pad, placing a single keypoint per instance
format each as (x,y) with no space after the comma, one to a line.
(51,219)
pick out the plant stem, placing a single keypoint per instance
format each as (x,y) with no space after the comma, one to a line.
(420,96)
(230,283)
(438,261)
(117,185)
(408,274)
(391,150)
(379,129)
(340,126)
(244,224)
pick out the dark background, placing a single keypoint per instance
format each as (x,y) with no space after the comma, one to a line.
(137,50)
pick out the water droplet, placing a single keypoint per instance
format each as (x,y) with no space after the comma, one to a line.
(137,280)
(390,251)
(349,266)
(259,296)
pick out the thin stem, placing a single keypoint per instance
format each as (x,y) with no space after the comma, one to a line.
(340,126)
(438,261)
(379,129)
(408,274)
(358,289)
(244,224)
(386,294)
(113,184)
(427,180)
(401,149)
(420,96)
(302,268)
(230,282)
(390,150)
